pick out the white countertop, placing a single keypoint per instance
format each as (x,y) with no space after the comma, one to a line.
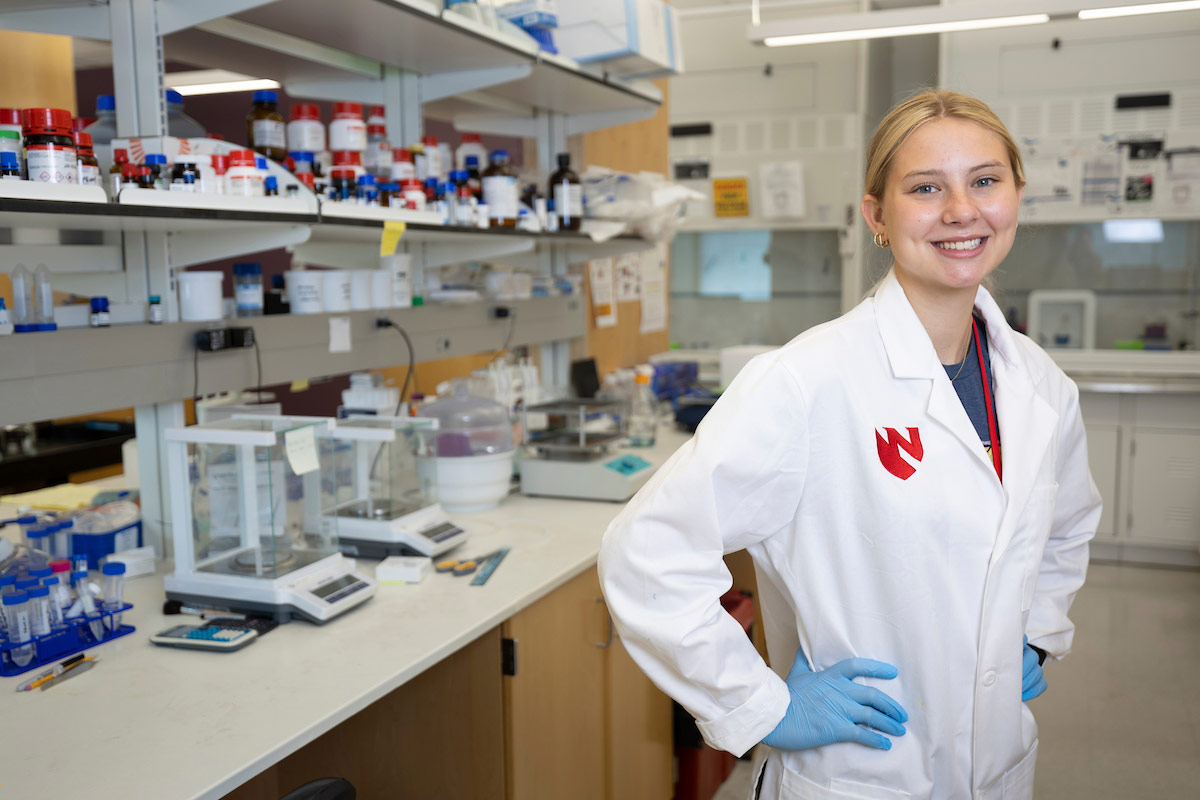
(1137,371)
(163,722)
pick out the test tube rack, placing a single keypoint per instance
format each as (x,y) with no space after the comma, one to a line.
(54,646)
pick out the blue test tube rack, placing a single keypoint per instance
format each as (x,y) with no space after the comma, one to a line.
(56,645)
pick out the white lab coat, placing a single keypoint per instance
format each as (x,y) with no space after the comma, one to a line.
(939,573)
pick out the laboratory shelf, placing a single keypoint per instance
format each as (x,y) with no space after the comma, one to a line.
(51,214)
(85,370)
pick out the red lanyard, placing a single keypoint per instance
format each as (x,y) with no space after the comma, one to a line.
(993,433)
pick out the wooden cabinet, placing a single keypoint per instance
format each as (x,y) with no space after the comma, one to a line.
(581,719)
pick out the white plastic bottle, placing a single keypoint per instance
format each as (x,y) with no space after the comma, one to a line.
(471,146)
(180,124)
(43,299)
(6,326)
(23,316)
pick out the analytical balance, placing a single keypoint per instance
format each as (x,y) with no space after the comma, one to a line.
(570,456)
(255,523)
(385,506)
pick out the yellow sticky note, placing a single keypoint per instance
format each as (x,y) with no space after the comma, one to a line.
(299,386)
(392,231)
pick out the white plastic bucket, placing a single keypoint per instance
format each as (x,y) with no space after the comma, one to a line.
(304,291)
(335,290)
(200,295)
(360,289)
(470,483)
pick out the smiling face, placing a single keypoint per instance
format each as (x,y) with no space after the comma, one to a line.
(949,209)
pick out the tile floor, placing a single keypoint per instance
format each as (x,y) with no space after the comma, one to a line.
(1121,717)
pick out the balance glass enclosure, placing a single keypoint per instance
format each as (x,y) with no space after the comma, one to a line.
(373,463)
(250,497)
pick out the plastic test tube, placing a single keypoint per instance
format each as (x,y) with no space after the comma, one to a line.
(55,588)
(7,586)
(41,573)
(114,589)
(89,604)
(16,611)
(61,542)
(39,610)
(26,523)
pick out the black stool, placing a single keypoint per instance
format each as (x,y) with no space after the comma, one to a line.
(323,789)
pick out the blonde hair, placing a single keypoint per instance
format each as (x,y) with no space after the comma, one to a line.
(923,107)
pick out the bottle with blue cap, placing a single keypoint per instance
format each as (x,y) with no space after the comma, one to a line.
(114,592)
(104,129)
(265,127)
(10,164)
(180,124)
(16,615)
(160,173)
(100,316)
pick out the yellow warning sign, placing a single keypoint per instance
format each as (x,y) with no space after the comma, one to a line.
(731,197)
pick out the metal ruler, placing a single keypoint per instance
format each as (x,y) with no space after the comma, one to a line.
(482,577)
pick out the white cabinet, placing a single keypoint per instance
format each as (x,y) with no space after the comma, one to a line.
(1164,503)
(1104,454)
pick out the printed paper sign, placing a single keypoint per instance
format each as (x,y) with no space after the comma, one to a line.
(339,334)
(731,197)
(301,448)
(600,281)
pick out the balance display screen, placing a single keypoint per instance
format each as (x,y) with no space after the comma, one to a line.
(440,532)
(331,587)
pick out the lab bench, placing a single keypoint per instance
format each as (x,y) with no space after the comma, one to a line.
(414,674)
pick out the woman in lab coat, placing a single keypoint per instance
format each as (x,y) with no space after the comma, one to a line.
(911,525)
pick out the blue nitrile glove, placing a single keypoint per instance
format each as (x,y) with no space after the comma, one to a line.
(828,706)
(1033,682)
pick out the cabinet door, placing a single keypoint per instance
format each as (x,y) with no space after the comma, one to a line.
(554,705)
(1165,503)
(641,749)
(1103,456)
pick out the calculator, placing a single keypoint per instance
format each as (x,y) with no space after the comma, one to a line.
(206,637)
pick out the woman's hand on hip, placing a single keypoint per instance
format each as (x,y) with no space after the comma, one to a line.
(828,707)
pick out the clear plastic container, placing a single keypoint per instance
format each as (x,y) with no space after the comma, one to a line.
(87,604)
(23,316)
(248,289)
(43,299)
(114,592)
(469,425)
(180,124)
(53,587)
(39,610)
(104,129)
(16,615)
(643,424)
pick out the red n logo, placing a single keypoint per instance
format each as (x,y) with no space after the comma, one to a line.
(889,451)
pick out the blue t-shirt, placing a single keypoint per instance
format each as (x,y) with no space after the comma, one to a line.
(970,387)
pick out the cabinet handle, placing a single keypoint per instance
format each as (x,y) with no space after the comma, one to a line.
(607,644)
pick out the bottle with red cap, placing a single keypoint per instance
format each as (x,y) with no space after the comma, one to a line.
(306,133)
(85,159)
(347,131)
(402,165)
(243,178)
(10,135)
(220,167)
(377,115)
(49,147)
(120,159)
(349,159)
(377,160)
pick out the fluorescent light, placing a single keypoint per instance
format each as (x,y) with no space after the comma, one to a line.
(225,86)
(1145,8)
(1136,231)
(906,30)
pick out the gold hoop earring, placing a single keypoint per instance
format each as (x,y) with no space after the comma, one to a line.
(881,239)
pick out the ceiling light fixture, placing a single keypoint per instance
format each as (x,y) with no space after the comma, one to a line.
(917,20)
(1144,8)
(188,90)
(905,30)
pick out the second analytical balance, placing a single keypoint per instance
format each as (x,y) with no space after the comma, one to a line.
(385,505)
(570,455)
(254,523)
